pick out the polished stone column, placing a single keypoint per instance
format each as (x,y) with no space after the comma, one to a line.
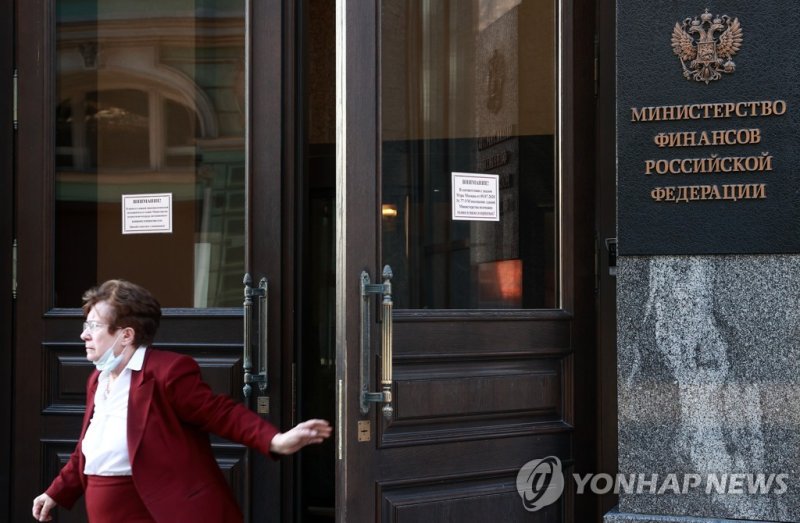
(709,384)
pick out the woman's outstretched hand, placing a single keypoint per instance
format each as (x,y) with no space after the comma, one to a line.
(305,433)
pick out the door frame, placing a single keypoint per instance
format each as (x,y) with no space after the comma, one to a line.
(268,55)
(273,156)
(7,144)
(606,225)
(357,243)
(33,133)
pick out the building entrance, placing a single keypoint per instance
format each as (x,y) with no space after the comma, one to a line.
(313,143)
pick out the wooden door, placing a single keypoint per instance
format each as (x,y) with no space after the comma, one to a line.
(492,291)
(6,255)
(123,104)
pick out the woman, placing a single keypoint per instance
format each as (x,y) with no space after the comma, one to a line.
(144,454)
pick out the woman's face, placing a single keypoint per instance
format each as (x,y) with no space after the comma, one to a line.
(98,340)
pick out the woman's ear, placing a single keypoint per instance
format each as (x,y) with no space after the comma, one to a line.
(128,335)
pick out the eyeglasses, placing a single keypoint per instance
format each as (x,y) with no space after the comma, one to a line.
(92,326)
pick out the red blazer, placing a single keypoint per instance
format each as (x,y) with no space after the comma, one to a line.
(171,410)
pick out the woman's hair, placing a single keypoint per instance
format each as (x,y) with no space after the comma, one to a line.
(131,306)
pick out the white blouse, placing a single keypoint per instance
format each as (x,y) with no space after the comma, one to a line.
(105,444)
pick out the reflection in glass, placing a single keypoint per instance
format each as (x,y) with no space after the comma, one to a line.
(469,87)
(150,99)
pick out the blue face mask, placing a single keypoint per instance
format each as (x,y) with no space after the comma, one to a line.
(108,361)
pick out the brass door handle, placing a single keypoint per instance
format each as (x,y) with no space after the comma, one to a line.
(385,395)
(251,292)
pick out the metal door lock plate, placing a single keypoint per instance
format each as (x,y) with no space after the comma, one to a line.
(262,405)
(364,430)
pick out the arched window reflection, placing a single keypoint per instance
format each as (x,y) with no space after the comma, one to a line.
(143,115)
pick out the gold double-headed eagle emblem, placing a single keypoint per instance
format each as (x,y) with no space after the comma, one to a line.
(706,44)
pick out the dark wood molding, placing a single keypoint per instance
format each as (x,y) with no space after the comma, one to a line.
(357,244)
(267,212)
(585,328)
(7,203)
(34,145)
(167,312)
(606,224)
(288,209)
(423,315)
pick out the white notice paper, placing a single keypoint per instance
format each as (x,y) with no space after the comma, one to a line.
(475,197)
(146,213)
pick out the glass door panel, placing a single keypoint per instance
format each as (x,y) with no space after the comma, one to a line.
(469,87)
(150,148)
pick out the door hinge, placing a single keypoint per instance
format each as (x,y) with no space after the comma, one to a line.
(15,89)
(14,269)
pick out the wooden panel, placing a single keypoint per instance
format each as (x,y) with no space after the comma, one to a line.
(459,458)
(56,454)
(491,376)
(476,395)
(230,458)
(177,326)
(492,334)
(66,370)
(477,399)
(492,497)
(222,373)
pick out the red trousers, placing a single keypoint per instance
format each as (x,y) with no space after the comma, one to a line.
(114,499)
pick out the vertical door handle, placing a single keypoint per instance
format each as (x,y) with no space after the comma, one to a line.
(385,395)
(251,292)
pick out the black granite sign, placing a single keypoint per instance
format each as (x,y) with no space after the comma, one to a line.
(708,141)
